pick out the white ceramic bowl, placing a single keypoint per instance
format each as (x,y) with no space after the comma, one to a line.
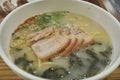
(106,20)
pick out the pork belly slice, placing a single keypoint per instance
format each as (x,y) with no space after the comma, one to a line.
(48,48)
(33,37)
(79,43)
(70,47)
(8,6)
(87,39)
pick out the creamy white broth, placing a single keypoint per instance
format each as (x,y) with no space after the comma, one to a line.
(85,62)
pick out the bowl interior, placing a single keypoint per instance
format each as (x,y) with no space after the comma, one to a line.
(18,16)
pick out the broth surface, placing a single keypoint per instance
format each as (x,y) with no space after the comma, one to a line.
(85,62)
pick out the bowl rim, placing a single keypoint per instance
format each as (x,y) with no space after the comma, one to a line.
(32,77)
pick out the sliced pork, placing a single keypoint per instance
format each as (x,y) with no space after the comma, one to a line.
(48,48)
(88,39)
(70,47)
(33,37)
(50,42)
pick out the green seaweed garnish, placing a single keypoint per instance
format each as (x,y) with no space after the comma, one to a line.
(48,19)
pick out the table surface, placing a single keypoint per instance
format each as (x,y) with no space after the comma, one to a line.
(7,74)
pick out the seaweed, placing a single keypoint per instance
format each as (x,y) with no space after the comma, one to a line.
(75,79)
(25,64)
(47,19)
(80,77)
(92,54)
(55,73)
(106,54)
(32,71)
(103,53)
(22,61)
(93,69)
(105,61)
(75,60)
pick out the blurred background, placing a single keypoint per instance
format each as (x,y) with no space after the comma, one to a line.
(113,6)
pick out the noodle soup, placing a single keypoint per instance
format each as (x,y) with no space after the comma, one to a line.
(61,46)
